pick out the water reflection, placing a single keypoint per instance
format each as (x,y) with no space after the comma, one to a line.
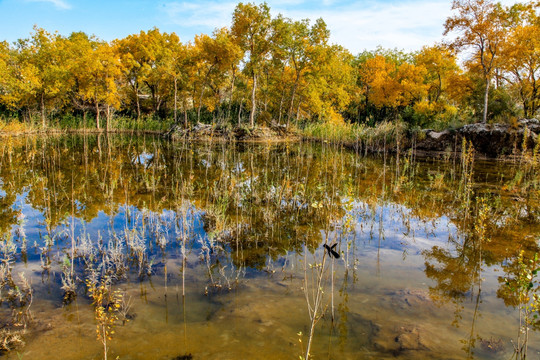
(226,242)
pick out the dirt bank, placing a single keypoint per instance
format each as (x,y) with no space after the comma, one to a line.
(205,132)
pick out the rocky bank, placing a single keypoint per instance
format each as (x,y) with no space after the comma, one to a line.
(491,140)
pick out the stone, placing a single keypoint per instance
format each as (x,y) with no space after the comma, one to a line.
(410,339)
(491,140)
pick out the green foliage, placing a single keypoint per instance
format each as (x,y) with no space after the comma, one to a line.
(149,123)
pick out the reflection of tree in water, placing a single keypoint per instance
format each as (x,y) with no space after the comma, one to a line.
(8,214)
(457,270)
(259,202)
(260,195)
(457,274)
(273,194)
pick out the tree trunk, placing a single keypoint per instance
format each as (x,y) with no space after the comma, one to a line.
(486,98)
(240,112)
(281,106)
(524,101)
(108,117)
(298,112)
(200,104)
(231,98)
(266,92)
(97,115)
(534,98)
(295,87)
(138,103)
(175,98)
(439,88)
(253,103)
(185,115)
(43,116)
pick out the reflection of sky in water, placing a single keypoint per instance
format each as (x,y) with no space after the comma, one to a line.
(389,234)
(393,227)
(144,159)
(390,227)
(165,228)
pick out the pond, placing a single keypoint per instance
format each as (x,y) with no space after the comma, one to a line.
(133,247)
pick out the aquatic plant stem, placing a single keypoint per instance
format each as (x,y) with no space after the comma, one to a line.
(318,293)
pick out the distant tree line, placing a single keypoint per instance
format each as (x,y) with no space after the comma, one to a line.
(265,69)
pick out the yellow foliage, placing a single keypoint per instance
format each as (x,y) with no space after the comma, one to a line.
(335,118)
(386,84)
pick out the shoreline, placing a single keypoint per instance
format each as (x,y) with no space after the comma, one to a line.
(491,141)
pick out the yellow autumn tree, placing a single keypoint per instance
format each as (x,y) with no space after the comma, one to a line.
(215,56)
(42,75)
(95,71)
(387,84)
(521,52)
(481,27)
(252,29)
(442,73)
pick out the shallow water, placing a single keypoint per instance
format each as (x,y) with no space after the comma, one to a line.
(218,249)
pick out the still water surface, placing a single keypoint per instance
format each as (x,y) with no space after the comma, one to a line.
(217,249)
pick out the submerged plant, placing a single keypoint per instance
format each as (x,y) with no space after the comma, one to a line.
(19,298)
(68,282)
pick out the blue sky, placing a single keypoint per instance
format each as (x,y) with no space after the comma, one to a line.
(356,25)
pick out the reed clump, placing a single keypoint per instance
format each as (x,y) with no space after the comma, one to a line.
(17,295)
(384,136)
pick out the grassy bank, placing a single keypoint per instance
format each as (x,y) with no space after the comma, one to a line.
(384,135)
(13,126)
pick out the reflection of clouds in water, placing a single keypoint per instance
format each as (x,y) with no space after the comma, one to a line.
(143,159)
(162,227)
(34,221)
(394,227)
(247,183)
(238,168)
(205,163)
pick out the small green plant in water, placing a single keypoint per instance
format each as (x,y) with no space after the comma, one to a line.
(107,305)
(526,286)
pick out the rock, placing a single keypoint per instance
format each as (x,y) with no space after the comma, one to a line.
(491,140)
(413,299)
(410,339)
(532,124)
(405,338)
(492,345)
(437,141)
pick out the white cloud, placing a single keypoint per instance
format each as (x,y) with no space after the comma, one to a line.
(60,4)
(359,26)
(356,25)
(196,14)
